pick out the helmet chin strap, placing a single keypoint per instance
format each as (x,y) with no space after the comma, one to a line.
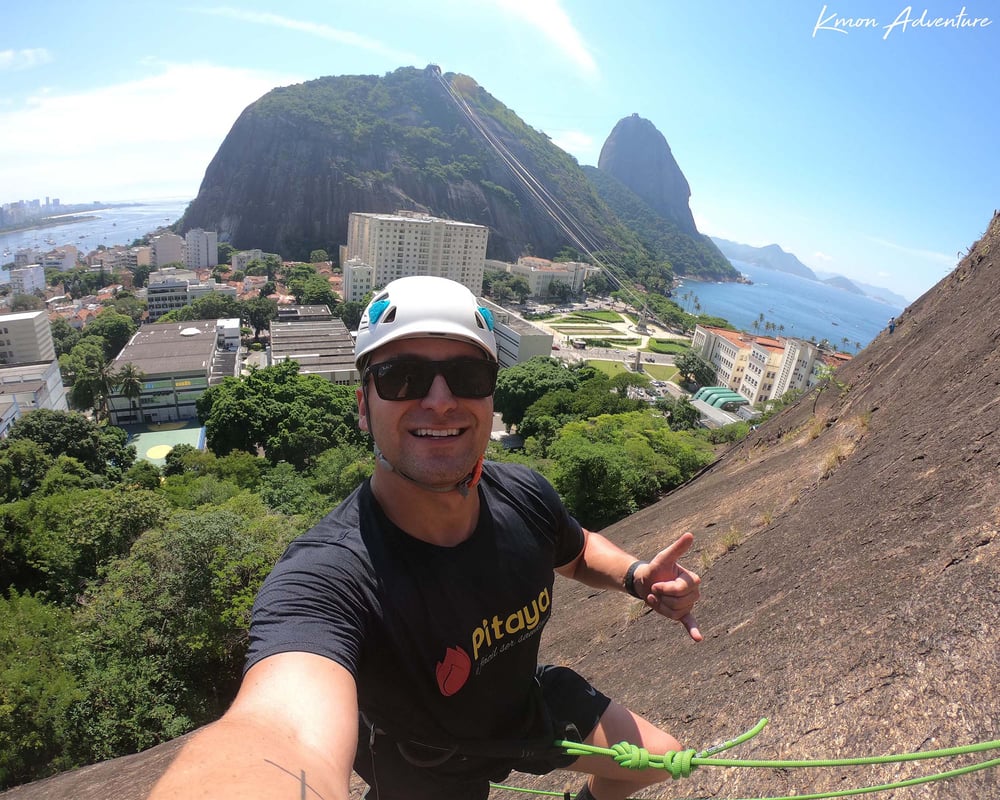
(463,487)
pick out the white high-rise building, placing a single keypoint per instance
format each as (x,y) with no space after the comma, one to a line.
(358,279)
(27,280)
(409,243)
(201,249)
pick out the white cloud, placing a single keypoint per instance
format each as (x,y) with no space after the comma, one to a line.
(820,256)
(112,142)
(578,144)
(318,29)
(554,23)
(24,59)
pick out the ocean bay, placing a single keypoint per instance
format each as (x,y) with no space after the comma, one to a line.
(807,309)
(108,225)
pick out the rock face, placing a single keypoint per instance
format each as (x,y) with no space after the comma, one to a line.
(638,155)
(298,161)
(850,557)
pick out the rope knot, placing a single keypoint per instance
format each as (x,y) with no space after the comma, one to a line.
(630,756)
(678,764)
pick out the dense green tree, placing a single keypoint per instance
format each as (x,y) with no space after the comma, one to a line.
(140,275)
(23,465)
(184,458)
(681,415)
(315,291)
(258,313)
(36,688)
(284,491)
(339,470)
(26,302)
(291,417)
(596,284)
(242,469)
(610,466)
(142,475)
(115,329)
(522,384)
(129,305)
(560,290)
(75,533)
(103,450)
(66,475)
(350,313)
(225,252)
(163,636)
(692,368)
(316,256)
(64,336)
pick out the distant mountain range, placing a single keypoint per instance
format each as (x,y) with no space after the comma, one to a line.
(773,257)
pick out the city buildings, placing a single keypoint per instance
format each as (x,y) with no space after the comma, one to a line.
(517,339)
(383,247)
(320,343)
(29,377)
(168,248)
(173,288)
(762,368)
(540,273)
(27,280)
(179,360)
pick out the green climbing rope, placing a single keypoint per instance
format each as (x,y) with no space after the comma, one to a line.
(680,764)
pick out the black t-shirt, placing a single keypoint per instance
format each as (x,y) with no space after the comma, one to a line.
(442,641)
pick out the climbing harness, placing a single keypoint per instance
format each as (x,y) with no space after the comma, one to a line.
(680,764)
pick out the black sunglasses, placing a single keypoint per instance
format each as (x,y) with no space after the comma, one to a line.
(411,378)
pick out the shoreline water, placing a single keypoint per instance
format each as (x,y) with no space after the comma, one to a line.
(790,306)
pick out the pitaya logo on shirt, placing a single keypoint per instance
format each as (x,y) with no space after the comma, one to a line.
(453,671)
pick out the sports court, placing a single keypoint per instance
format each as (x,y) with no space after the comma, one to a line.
(154,440)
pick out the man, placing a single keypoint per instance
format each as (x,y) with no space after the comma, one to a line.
(399,636)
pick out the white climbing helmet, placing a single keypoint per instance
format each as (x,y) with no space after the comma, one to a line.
(424,307)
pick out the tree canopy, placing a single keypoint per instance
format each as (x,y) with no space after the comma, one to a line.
(290,417)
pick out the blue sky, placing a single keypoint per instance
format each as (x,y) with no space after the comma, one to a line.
(853,134)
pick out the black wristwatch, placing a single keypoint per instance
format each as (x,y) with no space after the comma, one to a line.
(629,582)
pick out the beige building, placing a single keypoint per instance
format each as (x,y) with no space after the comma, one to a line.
(409,243)
(26,338)
(172,288)
(27,387)
(540,273)
(168,248)
(761,367)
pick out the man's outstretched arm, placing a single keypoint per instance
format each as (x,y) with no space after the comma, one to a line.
(290,733)
(663,584)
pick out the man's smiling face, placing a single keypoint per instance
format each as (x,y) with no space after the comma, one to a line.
(436,439)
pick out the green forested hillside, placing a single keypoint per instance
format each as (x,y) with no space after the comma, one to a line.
(697,257)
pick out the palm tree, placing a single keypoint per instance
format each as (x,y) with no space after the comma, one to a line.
(130,380)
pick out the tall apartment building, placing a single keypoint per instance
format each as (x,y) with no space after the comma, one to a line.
(409,243)
(168,248)
(27,280)
(26,338)
(201,249)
